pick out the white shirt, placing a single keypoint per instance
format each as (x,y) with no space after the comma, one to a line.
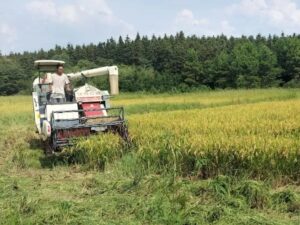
(58,83)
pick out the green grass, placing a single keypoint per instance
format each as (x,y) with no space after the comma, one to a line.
(84,187)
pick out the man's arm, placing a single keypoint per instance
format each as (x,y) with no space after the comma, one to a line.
(49,76)
(44,78)
(68,86)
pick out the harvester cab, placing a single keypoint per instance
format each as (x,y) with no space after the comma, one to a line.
(86,110)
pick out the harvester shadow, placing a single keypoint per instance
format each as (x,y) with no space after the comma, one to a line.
(53,160)
(47,160)
(35,144)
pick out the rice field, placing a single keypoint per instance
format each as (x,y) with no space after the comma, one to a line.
(223,157)
(259,139)
(247,132)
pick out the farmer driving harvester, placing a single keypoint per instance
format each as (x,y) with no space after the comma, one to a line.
(58,83)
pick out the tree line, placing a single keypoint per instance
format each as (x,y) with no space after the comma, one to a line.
(170,63)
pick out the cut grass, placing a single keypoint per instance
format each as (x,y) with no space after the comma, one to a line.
(65,196)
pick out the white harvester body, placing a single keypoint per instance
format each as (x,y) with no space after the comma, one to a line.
(87,112)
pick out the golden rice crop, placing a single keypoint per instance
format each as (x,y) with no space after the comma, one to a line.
(96,151)
(12,105)
(261,137)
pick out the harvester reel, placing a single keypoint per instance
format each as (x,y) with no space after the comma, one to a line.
(122,130)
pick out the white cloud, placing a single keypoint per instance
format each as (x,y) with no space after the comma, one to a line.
(7,31)
(278,13)
(8,35)
(248,7)
(226,28)
(186,17)
(46,8)
(68,13)
(186,20)
(80,12)
(95,7)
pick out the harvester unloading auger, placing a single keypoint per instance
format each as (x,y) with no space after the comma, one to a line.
(87,109)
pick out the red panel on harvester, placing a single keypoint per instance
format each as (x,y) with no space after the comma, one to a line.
(92,109)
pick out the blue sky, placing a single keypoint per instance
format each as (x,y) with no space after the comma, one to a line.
(27,25)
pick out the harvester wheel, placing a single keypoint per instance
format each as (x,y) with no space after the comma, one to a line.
(48,148)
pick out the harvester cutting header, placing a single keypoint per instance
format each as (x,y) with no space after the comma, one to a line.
(62,113)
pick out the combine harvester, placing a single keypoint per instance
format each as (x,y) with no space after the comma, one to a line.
(87,109)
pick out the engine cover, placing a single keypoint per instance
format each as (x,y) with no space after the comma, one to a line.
(88,93)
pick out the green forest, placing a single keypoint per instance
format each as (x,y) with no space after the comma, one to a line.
(176,63)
